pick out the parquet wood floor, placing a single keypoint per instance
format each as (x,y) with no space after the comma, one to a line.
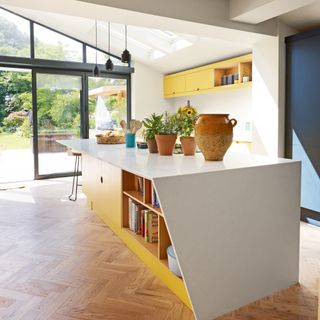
(58,261)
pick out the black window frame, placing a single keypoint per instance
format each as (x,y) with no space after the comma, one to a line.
(84,69)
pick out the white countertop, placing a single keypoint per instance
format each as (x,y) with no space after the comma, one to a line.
(141,162)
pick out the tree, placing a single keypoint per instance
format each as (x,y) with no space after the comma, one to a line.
(65,110)
(13,42)
(118,107)
(12,84)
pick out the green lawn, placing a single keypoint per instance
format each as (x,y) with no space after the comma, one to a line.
(13,141)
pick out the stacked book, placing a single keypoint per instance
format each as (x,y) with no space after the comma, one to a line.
(143,221)
(154,199)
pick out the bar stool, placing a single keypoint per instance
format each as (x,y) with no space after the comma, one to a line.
(75,181)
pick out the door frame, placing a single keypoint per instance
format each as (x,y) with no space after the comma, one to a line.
(84,109)
(37,175)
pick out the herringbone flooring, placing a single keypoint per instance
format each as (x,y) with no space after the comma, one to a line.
(58,261)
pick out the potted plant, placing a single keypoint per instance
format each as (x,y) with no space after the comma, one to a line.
(245,76)
(152,126)
(187,117)
(167,136)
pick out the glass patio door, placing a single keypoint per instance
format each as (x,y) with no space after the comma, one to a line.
(108,103)
(58,117)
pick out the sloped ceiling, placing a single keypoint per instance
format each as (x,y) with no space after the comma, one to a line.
(164,51)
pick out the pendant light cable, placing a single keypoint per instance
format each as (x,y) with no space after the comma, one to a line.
(109,38)
(126,36)
(96,71)
(109,63)
(96,42)
(126,56)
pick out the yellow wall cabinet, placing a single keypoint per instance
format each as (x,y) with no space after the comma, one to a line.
(174,85)
(199,80)
(209,78)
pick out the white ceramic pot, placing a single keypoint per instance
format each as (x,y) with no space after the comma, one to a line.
(245,79)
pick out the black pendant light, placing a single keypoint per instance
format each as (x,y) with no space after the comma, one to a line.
(126,56)
(109,63)
(96,71)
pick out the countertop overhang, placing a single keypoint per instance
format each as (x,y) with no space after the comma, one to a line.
(151,166)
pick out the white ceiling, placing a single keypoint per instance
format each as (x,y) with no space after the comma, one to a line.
(165,52)
(304,18)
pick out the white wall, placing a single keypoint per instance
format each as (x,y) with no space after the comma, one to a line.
(235,102)
(265,75)
(147,92)
(268,94)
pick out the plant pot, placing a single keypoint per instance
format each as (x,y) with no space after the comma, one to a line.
(188,145)
(152,145)
(166,143)
(245,79)
(213,134)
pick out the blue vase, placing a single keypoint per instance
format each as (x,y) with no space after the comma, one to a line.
(130,140)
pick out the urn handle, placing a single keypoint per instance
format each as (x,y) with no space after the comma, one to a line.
(233,122)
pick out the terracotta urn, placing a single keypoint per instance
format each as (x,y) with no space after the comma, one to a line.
(166,143)
(214,133)
(152,145)
(188,145)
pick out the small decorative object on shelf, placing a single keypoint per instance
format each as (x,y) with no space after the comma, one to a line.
(152,126)
(236,78)
(245,77)
(224,80)
(167,136)
(214,133)
(187,117)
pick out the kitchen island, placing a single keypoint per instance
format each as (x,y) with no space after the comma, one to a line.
(234,224)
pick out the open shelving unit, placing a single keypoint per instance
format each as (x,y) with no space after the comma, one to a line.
(208,78)
(131,185)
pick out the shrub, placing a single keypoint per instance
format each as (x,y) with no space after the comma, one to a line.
(14,120)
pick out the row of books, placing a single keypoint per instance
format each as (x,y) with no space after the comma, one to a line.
(154,197)
(143,221)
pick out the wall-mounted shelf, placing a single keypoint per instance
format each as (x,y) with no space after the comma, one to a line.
(219,76)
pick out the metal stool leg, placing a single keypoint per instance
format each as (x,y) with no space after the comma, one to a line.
(75,180)
(77,177)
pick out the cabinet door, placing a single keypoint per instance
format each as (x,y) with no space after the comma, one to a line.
(200,80)
(91,173)
(167,86)
(174,85)
(109,202)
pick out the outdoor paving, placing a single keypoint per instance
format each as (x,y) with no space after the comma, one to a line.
(17,165)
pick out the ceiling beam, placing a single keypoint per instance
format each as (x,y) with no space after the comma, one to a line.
(257,11)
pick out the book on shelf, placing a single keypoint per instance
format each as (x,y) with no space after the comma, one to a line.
(130,205)
(154,199)
(134,210)
(140,185)
(146,229)
(150,226)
